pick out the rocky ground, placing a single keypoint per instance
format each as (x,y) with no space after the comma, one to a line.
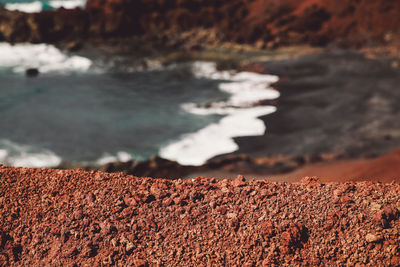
(73,217)
(202,23)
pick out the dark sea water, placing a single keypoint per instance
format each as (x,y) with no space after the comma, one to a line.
(83,116)
(90,111)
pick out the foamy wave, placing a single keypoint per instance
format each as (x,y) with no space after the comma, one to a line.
(32,7)
(67,4)
(215,139)
(37,6)
(108,158)
(241,118)
(17,155)
(46,58)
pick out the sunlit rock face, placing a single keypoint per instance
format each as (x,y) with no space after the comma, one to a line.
(266,23)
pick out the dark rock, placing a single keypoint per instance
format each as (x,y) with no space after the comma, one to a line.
(73,46)
(32,72)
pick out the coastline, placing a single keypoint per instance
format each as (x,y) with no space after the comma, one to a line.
(309,77)
(296,137)
(332,111)
(336,102)
(321,187)
(308,84)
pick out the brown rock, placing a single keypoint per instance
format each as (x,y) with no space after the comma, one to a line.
(239,181)
(395,261)
(140,263)
(4,259)
(384,216)
(129,247)
(168,202)
(310,181)
(268,228)
(371,238)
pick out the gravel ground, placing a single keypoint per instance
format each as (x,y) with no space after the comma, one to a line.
(73,217)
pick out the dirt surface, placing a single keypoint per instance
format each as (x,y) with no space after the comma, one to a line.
(385,169)
(54,217)
(382,169)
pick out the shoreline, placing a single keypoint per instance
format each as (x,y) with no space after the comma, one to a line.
(315,83)
(320,93)
(240,115)
(279,151)
(328,93)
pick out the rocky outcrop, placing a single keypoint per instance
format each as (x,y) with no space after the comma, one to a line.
(267,23)
(45,27)
(73,217)
(159,167)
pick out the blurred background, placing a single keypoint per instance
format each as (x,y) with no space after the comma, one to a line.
(198,87)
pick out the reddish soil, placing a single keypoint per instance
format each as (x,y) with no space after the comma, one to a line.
(383,169)
(54,217)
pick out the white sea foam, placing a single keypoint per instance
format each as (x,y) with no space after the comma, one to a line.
(241,116)
(31,7)
(67,4)
(17,155)
(37,6)
(46,58)
(121,156)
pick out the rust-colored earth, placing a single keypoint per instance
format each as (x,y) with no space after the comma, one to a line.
(265,23)
(385,169)
(73,217)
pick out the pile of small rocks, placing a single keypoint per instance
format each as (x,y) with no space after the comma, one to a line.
(74,217)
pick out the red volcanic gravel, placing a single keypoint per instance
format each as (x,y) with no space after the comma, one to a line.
(53,217)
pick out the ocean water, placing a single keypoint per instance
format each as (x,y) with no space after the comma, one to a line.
(31,6)
(81,111)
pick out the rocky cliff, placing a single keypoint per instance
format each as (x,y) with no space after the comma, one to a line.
(263,22)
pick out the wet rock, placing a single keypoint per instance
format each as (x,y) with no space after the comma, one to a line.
(73,46)
(32,72)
